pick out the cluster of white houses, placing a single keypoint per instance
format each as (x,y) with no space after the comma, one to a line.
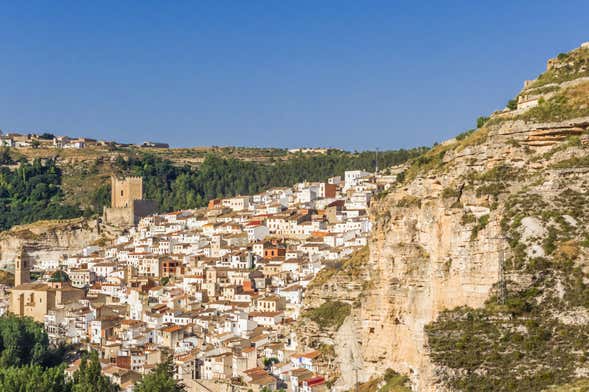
(218,288)
(46,140)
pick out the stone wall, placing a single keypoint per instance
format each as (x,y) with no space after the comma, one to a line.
(122,216)
(129,216)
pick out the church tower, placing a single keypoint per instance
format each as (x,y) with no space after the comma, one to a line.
(22,269)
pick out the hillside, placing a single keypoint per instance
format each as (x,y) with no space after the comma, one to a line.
(477,273)
(67,183)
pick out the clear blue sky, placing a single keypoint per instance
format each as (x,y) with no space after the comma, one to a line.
(351,74)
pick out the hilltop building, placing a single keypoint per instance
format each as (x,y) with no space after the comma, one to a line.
(127,203)
(155,145)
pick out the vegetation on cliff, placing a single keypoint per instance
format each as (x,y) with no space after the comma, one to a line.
(568,103)
(390,382)
(351,267)
(530,180)
(517,346)
(330,314)
(433,160)
(565,67)
(536,336)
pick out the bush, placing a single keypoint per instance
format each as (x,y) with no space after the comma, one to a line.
(481,121)
(512,104)
(330,314)
(395,382)
(409,201)
(480,225)
(464,134)
(450,192)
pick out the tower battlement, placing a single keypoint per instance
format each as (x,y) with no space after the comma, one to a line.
(125,190)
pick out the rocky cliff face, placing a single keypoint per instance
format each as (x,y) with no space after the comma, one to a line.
(476,275)
(49,240)
(422,261)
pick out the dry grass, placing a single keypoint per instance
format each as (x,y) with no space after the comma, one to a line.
(352,267)
(575,65)
(568,250)
(581,385)
(570,103)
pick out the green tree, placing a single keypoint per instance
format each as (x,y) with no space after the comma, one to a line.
(22,342)
(512,104)
(101,198)
(269,362)
(34,379)
(32,192)
(5,158)
(161,379)
(88,378)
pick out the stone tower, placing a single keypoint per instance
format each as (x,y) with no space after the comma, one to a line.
(125,191)
(127,203)
(22,268)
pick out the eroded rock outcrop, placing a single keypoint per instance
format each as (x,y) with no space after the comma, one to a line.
(50,240)
(485,242)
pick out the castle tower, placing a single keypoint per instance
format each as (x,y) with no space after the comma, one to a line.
(127,203)
(22,268)
(125,191)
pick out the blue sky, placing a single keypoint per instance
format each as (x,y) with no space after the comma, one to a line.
(351,74)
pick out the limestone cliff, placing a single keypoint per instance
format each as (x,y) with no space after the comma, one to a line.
(50,240)
(476,275)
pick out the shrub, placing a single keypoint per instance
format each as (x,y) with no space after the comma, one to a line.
(481,121)
(464,134)
(450,192)
(409,201)
(395,382)
(480,225)
(330,314)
